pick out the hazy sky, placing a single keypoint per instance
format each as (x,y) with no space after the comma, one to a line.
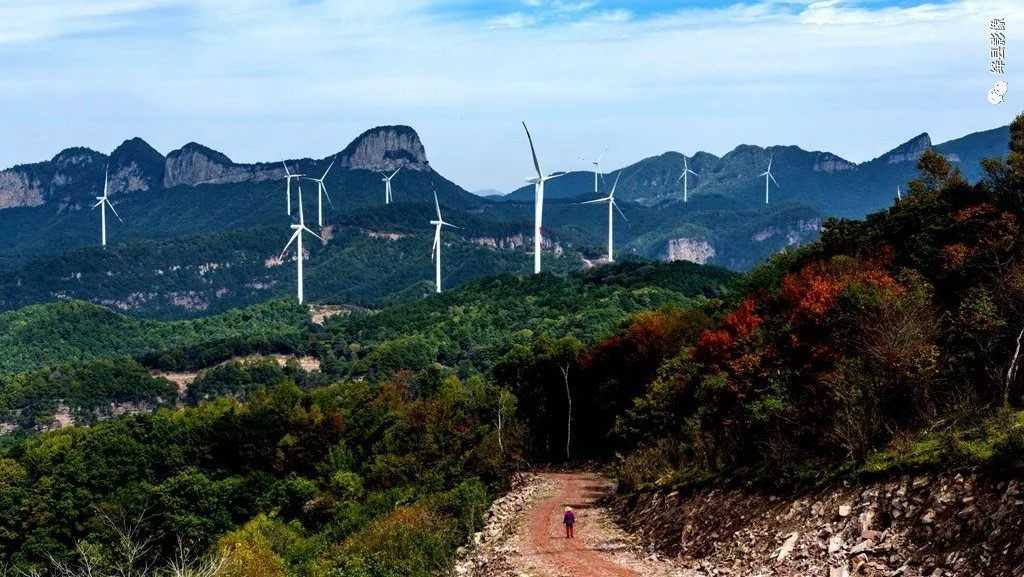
(261,80)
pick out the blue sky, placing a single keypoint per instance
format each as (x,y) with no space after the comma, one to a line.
(261,80)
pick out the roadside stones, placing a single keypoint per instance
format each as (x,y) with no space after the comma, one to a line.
(787,546)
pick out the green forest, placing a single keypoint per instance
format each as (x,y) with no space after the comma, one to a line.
(891,345)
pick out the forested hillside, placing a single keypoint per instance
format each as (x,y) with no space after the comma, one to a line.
(58,333)
(381,474)
(891,344)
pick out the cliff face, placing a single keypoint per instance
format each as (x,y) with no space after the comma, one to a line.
(67,179)
(385,148)
(75,175)
(19,188)
(135,166)
(828,162)
(909,151)
(690,249)
(195,164)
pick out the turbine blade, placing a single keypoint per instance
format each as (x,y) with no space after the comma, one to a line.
(394,173)
(437,206)
(622,214)
(536,163)
(324,188)
(112,209)
(437,240)
(287,172)
(772,176)
(305,228)
(596,200)
(329,167)
(98,203)
(611,195)
(290,241)
(555,175)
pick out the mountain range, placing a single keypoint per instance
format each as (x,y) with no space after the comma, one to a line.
(202,234)
(819,180)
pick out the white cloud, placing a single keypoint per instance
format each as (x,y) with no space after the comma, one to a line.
(512,20)
(263,78)
(30,20)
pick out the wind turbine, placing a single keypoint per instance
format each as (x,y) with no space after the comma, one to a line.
(297,238)
(538,201)
(435,252)
(102,202)
(768,174)
(288,177)
(597,169)
(387,184)
(321,192)
(610,199)
(683,177)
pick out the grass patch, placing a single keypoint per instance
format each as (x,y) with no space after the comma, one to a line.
(997,440)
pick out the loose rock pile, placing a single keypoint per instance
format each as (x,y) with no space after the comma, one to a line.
(491,552)
(925,526)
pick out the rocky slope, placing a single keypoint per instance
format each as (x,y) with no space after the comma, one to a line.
(948,524)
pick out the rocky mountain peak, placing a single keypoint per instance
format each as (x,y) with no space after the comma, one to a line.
(385,148)
(195,164)
(135,166)
(909,151)
(77,156)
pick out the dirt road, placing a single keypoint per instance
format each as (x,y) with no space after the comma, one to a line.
(600,548)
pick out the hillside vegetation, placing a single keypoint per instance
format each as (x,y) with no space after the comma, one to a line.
(891,345)
(62,332)
(472,327)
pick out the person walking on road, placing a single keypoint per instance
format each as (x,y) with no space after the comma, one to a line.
(569,520)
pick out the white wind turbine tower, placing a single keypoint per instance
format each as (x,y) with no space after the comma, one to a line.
(610,199)
(289,177)
(321,192)
(102,202)
(683,177)
(387,184)
(538,202)
(297,238)
(597,169)
(435,252)
(768,174)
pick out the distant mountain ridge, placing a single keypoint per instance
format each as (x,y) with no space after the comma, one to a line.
(821,180)
(74,175)
(203,234)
